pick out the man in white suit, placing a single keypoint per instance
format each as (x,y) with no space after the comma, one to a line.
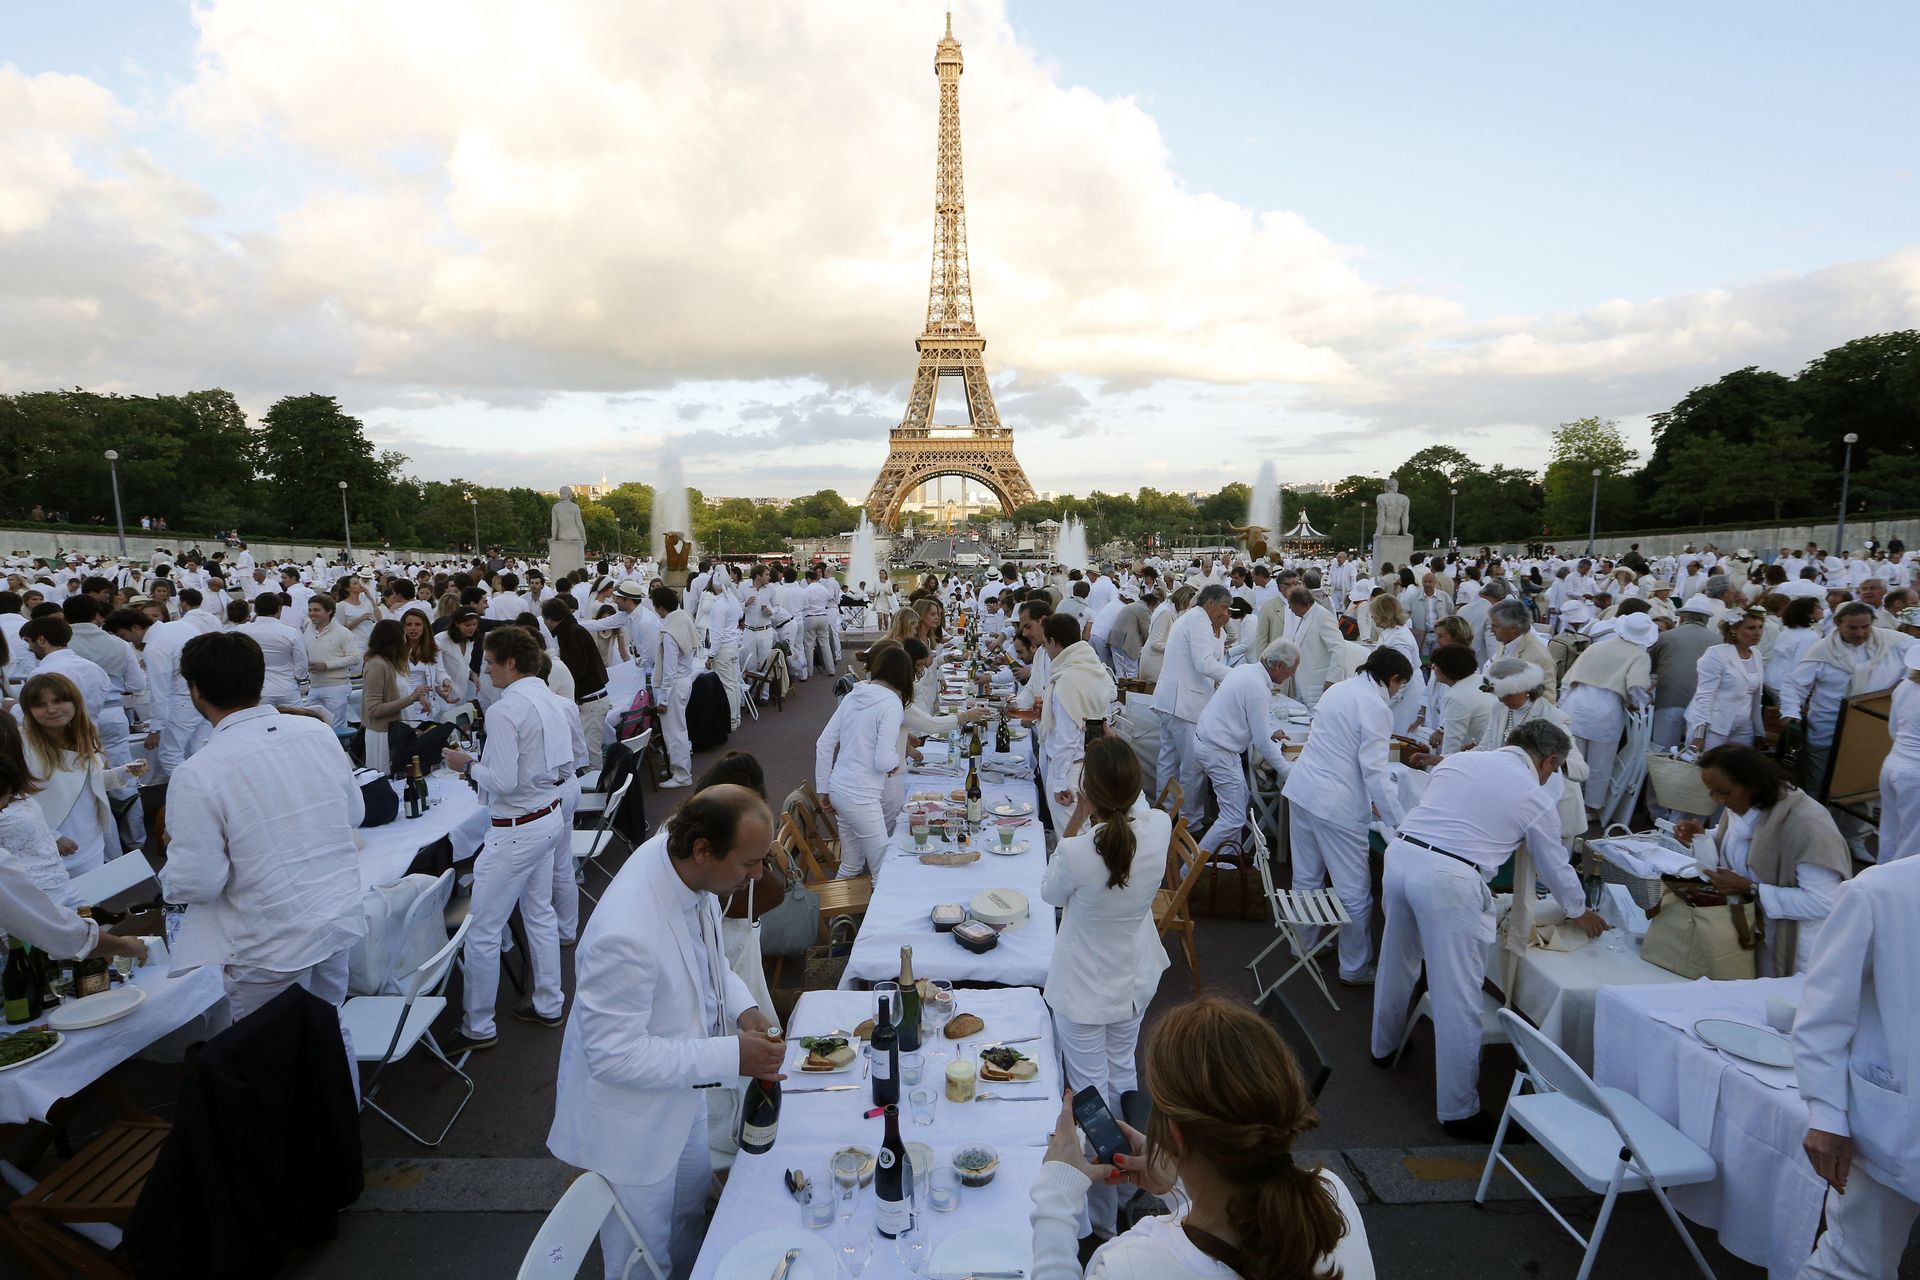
(1195,663)
(658,1018)
(1313,630)
(1856,1054)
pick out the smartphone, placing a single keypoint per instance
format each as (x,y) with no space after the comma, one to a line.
(1096,1122)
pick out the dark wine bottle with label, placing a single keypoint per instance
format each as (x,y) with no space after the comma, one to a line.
(909,1029)
(892,1181)
(90,975)
(760,1112)
(1001,742)
(973,794)
(18,984)
(885,1047)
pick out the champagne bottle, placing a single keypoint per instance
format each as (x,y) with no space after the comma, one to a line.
(909,1030)
(973,793)
(89,975)
(892,1180)
(1001,742)
(416,789)
(760,1111)
(18,983)
(885,1046)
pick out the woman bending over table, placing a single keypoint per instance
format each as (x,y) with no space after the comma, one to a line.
(1777,844)
(1228,1105)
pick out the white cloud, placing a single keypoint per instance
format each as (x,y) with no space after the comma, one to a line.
(491,204)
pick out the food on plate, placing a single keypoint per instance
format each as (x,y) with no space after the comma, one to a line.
(826,1053)
(1007,1064)
(963,1025)
(22,1045)
(957,794)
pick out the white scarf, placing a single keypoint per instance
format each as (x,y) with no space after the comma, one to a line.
(1860,661)
(556,736)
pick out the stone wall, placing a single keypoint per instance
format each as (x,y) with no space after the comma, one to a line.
(31,541)
(1757,540)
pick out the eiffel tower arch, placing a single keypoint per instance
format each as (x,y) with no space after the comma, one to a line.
(919,450)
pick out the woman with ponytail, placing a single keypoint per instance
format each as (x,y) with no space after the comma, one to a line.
(1107,957)
(1228,1105)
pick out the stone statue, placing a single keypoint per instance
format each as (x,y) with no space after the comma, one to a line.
(1392,506)
(566,536)
(1255,538)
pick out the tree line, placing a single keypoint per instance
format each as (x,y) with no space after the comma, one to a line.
(1753,447)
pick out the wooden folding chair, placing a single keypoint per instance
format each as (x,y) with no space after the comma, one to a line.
(848,897)
(767,680)
(101,1183)
(1171,798)
(828,824)
(1170,912)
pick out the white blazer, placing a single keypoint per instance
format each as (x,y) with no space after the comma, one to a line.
(1193,666)
(1345,768)
(636,1043)
(1724,700)
(1320,641)
(1108,957)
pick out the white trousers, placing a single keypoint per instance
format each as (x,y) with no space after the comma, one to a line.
(1125,666)
(1100,1055)
(593,727)
(863,833)
(1177,762)
(818,643)
(1227,773)
(726,665)
(755,648)
(515,866)
(673,729)
(1669,728)
(249,987)
(1600,753)
(1324,848)
(790,631)
(180,737)
(333,699)
(566,888)
(116,743)
(1867,1229)
(1438,910)
(670,1214)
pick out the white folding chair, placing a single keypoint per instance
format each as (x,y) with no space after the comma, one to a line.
(1264,802)
(572,1225)
(589,845)
(1491,1030)
(1629,768)
(426,917)
(1293,912)
(386,1028)
(111,878)
(626,764)
(1607,1138)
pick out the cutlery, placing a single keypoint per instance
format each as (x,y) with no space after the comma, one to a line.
(975,1275)
(997,1044)
(824,1088)
(785,1264)
(1011,1097)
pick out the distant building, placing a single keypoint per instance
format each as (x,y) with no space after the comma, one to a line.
(588,492)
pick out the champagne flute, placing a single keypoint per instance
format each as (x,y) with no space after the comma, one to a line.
(889,992)
(912,1247)
(855,1247)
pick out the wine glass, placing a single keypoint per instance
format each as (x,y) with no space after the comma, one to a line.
(912,1247)
(855,1247)
(936,1013)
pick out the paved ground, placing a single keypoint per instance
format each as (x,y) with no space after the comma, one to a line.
(470,1207)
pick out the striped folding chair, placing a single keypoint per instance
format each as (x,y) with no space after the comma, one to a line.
(1295,912)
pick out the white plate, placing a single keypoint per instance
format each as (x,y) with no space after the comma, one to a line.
(1755,1044)
(799,1055)
(1011,809)
(97,1010)
(984,1249)
(1005,850)
(58,1040)
(755,1257)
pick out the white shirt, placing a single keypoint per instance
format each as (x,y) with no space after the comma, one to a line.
(285,652)
(513,771)
(861,744)
(1344,768)
(1481,805)
(1240,716)
(261,832)
(722,618)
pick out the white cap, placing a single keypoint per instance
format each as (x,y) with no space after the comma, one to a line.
(1702,605)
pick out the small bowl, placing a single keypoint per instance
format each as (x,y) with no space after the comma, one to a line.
(946,915)
(866,1162)
(976,1165)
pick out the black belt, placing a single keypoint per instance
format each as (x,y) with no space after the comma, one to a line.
(768,627)
(525,818)
(1434,848)
(592,697)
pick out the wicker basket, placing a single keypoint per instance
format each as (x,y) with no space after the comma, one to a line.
(1676,784)
(1644,890)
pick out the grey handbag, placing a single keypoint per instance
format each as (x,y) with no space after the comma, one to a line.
(792,924)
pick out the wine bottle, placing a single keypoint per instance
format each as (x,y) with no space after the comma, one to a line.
(885,1046)
(416,789)
(760,1111)
(909,1029)
(89,975)
(17,984)
(973,793)
(892,1179)
(1001,742)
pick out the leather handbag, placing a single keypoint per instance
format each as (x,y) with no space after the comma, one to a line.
(1696,932)
(789,922)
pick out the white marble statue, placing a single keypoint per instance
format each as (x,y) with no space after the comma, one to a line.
(566,536)
(1392,506)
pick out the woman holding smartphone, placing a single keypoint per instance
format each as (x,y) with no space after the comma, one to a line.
(1107,958)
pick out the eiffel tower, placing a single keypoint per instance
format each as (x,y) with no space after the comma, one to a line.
(951,347)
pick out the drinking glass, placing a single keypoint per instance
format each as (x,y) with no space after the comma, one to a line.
(912,1066)
(890,992)
(923,1102)
(817,1207)
(855,1247)
(943,1190)
(912,1247)
(846,1181)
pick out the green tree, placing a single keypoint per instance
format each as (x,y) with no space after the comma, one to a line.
(1579,448)
(306,446)
(1709,478)
(1869,387)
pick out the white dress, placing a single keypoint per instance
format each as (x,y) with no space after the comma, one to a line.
(25,834)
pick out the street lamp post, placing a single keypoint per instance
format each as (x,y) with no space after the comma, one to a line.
(119,521)
(1593,513)
(474,504)
(346,521)
(1453,500)
(1363,533)
(1846,475)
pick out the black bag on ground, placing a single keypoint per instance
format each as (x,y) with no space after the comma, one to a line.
(708,718)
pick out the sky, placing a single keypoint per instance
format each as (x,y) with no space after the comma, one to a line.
(543,243)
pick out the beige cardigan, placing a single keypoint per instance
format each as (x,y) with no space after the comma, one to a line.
(1798,829)
(384,694)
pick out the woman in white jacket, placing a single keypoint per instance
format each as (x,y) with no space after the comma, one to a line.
(1518,688)
(1900,775)
(70,772)
(1107,958)
(1726,702)
(858,749)
(1228,1105)
(1390,631)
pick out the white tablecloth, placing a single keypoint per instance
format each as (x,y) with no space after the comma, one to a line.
(387,851)
(27,1092)
(1010,1014)
(1556,989)
(1766,1201)
(756,1199)
(906,890)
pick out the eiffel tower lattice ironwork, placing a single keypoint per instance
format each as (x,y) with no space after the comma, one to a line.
(918,449)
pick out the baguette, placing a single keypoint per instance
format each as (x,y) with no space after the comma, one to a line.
(965,1024)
